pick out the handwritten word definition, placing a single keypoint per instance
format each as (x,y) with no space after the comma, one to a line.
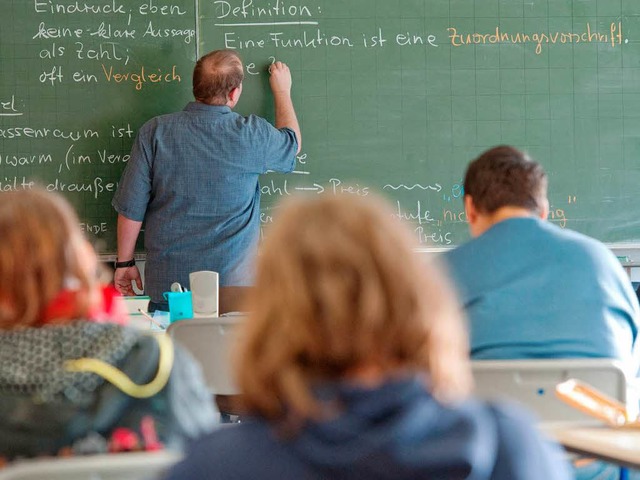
(249,10)
(142,77)
(613,36)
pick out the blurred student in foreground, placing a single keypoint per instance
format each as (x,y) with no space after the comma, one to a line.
(70,373)
(354,365)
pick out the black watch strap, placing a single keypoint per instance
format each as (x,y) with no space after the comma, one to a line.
(128,263)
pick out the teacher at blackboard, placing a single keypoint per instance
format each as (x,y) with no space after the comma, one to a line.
(193,179)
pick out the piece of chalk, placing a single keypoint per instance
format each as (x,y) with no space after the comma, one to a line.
(151,319)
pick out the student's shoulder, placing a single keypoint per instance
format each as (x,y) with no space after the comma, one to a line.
(226,450)
(239,452)
(580,245)
(507,419)
(523,451)
(510,419)
(502,414)
(465,254)
(233,440)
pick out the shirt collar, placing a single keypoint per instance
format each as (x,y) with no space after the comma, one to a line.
(203,107)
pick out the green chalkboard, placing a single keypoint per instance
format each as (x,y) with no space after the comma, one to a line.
(398,95)
(394,96)
(77,79)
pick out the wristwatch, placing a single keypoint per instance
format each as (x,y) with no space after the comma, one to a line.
(128,263)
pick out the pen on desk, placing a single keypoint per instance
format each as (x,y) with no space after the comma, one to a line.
(153,320)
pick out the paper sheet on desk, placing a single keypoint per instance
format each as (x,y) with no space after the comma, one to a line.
(162,318)
(139,321)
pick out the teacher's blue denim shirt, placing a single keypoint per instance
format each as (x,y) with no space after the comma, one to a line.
(193,179)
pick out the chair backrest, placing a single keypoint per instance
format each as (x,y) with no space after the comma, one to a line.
(210,340)
(118,466)
(532,383)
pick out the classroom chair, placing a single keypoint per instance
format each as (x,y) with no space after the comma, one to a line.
(116,466)
(210,340)
(532,383)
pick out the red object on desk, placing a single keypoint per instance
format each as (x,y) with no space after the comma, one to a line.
(149,434)
(124,440)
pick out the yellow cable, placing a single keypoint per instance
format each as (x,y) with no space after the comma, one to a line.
(120,380)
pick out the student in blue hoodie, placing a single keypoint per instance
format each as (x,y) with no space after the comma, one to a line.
(354,365)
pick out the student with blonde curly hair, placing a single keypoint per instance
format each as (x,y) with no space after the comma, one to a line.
(354,364)
(71,375)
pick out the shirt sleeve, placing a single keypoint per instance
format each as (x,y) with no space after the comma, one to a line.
(279,146)
(134,189)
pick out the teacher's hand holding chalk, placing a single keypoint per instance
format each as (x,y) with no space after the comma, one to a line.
(280,82)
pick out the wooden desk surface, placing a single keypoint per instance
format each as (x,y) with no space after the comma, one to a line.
(616,445)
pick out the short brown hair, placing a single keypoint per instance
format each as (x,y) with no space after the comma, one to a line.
(340,287)
(42,251)
(215,75)
(505,176)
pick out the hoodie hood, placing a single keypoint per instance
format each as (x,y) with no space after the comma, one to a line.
(399,430)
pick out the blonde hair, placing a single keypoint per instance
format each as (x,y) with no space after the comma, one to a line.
(41,252)
(338,288)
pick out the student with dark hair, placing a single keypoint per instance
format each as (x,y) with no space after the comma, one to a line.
(193,179)
(354,365)
(531,289)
